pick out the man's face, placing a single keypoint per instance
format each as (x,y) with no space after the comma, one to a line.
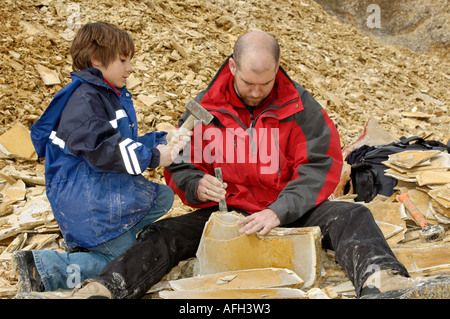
(254,80)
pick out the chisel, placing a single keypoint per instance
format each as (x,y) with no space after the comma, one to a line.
(222,204)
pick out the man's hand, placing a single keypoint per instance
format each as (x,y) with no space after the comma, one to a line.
(261,222)
(210,189)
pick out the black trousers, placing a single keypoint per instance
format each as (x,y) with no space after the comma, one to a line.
(347,228)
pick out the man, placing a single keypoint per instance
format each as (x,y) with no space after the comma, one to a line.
(258,110)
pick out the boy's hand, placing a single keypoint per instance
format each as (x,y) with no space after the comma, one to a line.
(174,135)
(168,153)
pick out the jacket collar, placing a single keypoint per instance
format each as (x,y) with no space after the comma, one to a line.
(91,75)
(220,95)
(94,76)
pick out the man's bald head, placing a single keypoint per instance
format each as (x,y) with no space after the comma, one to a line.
(256,44)
(254,65)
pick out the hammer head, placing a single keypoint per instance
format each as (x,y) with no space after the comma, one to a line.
(431,233)
(199,112)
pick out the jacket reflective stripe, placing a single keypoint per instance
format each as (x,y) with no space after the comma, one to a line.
(119,114)
(127,149)
(134,159)
(56,140)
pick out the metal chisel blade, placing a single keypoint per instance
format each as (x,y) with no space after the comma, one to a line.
(222,204)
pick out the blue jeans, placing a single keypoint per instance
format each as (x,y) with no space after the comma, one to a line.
(62,270)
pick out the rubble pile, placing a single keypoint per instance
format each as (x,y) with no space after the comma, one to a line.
(179,47)
(426,175)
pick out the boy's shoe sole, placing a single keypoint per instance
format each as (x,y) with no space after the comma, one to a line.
(29,278)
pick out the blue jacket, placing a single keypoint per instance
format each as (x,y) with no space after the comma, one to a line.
(94,159)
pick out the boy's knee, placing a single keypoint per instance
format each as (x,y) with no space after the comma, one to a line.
(165,196)
(164,189)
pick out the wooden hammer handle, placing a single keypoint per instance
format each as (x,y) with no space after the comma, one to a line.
(415,212)
(186,127)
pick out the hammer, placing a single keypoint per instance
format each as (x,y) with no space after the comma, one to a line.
(197,113)
(428,233)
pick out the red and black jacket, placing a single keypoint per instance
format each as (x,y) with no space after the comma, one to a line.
(285,155)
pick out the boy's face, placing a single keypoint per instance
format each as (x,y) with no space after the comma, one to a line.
(117,72)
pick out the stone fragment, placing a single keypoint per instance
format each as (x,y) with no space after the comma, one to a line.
(441,200)
(16,191)
(425,260)
(132,82)
(410,159)
(50,77)
(389,220)
(16,142)
(433,178)
(147,99)
(331,293)
(317,293)
(258,293)
(166,127)
(248,278)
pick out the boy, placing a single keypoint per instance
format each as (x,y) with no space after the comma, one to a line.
(94,160)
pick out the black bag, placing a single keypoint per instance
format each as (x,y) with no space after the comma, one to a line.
(367,172)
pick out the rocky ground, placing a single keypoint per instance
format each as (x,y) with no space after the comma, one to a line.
(180,45)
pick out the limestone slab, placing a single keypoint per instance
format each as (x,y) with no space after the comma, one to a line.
(425,260)
(248,278)
(16,142)
(258,293)
(223,248)
(410,159)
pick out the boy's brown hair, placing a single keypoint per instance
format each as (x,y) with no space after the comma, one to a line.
(101,41)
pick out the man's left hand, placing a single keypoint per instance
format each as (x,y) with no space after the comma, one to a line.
(261,222)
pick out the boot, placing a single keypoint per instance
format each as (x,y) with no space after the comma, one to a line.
(90,289)
(390,284)
(29,278)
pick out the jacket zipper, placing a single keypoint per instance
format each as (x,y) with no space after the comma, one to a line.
(276,107)
(252,124)
(278,147)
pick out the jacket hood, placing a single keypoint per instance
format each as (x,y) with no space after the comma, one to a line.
(42,129)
